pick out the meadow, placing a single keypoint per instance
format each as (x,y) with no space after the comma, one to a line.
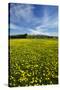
(33,62)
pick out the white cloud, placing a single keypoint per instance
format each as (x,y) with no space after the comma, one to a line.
(42,32)
(45,27)
(41,25)
(48,23)
(34,32)
(13,26)
(24,11)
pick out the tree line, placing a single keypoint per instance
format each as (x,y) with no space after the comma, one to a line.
(30,36)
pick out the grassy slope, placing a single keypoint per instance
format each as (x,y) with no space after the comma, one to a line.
(33,62)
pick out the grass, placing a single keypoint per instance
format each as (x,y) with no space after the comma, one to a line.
(33,62)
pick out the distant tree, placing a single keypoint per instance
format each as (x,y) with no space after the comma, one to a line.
(31,36)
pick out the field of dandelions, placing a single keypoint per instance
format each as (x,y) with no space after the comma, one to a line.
(33,62)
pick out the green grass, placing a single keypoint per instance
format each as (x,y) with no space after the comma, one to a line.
(33,62)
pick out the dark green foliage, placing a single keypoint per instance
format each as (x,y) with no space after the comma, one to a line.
(19,36)
(31,36)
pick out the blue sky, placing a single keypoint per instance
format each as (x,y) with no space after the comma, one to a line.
(33,19)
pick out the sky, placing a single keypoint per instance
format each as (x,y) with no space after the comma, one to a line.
(33,19)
